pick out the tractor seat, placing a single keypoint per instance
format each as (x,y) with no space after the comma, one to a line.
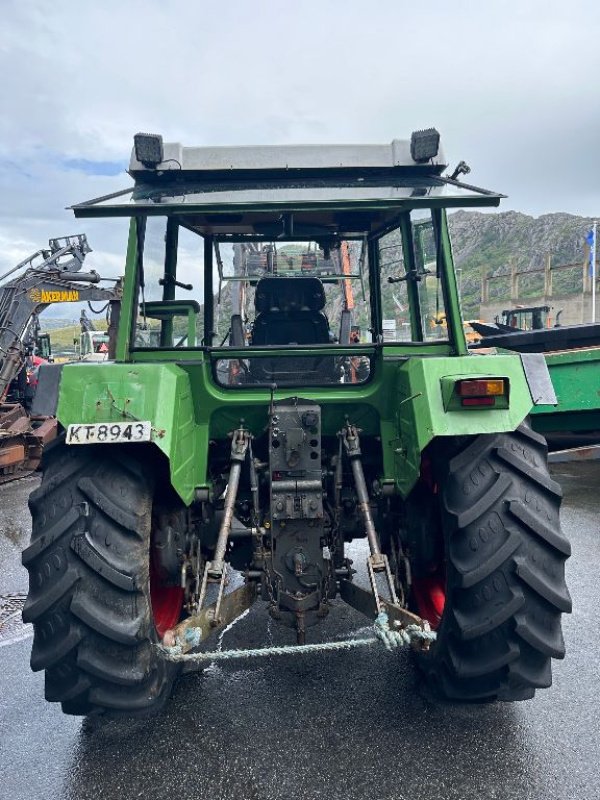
(289,312)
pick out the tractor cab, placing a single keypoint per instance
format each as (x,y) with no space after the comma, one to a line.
(234,252)
(521,318)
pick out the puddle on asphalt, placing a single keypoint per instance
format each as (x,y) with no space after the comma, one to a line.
(12,627)
(15,533)
(15,520)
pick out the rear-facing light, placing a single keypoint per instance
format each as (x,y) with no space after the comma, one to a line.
(478,401)
(481,388)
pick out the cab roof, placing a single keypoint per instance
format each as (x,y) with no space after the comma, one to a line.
(294,190)
(206,161)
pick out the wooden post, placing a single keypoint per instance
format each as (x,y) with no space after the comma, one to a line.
(514,280)
(548,277)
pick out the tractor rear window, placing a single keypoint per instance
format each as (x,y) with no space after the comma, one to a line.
(294,293)
(294,296)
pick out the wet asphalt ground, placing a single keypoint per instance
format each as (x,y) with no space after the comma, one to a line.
(345,725)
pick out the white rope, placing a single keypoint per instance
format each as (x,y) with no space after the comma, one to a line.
(391,639)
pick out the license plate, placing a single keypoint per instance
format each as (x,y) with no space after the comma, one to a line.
(109,432)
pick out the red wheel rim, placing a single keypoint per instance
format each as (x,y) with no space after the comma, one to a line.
(166,601)
(430,597)
(429,592)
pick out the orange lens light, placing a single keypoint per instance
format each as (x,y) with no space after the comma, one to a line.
(495,387)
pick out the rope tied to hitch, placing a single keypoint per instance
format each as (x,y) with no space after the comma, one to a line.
(401,637)
(391,639)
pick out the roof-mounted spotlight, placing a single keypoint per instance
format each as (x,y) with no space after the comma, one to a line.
(424,145)
(148,149)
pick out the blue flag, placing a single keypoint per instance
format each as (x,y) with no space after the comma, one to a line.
(589,240)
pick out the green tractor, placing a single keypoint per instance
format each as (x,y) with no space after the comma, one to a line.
(258,426)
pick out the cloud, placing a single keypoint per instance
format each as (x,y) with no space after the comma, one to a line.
(89,167)
(507,83)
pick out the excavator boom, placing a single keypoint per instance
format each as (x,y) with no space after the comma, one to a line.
(48,276)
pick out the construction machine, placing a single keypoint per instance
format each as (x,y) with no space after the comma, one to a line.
(517,320)
(48,276)
(220,441)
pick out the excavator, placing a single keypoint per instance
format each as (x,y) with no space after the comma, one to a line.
(48,276)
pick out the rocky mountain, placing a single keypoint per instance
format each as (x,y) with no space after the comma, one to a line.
(485,244)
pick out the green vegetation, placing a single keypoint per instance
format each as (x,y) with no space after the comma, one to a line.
(61,339)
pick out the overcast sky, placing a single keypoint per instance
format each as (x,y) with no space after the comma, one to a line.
(512,85)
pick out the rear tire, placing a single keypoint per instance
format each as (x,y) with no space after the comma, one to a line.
(89,583)
(503,577)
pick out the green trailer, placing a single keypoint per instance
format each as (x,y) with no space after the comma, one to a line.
(572,354)
(575,420)
(261,425)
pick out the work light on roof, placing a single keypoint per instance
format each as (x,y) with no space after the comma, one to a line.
(148,149)
(424,145)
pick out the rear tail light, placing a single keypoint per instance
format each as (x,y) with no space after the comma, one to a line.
(481,391)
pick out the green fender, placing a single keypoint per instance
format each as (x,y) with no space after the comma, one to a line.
(160,393)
